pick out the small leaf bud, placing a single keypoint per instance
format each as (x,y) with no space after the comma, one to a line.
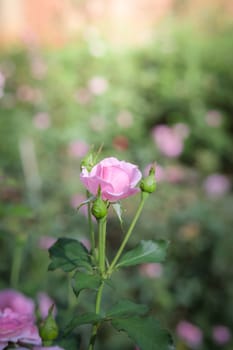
(48,329)
(148,184)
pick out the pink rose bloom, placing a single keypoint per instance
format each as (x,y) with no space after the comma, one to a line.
(16,301)
(151,270)
(117,179)
(16,327)
(78,148)
(216,185)
(189,333)
(44,303)
(221,334)
(169,142)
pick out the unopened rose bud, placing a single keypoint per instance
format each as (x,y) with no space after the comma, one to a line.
(148,184)
(48,329)
(88,162)
(99,208)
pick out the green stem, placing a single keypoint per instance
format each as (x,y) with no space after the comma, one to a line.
(102,244)
(91,227)
(16,264)
(102,258)
(128,234)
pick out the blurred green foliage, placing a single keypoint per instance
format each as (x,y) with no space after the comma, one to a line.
(116,99)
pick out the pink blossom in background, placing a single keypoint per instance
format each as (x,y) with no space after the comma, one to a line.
(78,148)
(189,333)
(221,334)
(175,174)
(168,141)
(85,242)
(124,119)
(45,242)
(117,179)
(120,143)
(44,304)
(213,118)
(38,68)
(160,173)
(83,96)
(151,270)
(16,301)
(26,93)
(16,327)
(98,85)
(76,200)
(41,120)
(216,185)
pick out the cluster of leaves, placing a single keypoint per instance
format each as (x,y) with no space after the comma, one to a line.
(71,255)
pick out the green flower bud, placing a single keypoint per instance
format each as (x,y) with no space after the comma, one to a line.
(88,162)
(48,329)
(148,184)
(99,208)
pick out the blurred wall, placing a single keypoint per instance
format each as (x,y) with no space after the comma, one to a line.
(53,21)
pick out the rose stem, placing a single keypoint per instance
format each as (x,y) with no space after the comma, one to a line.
(144,196)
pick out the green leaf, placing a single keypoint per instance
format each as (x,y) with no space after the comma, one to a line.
(126,308)
(87,318)
(82,280)
(145,252)
(145,332)
(68,254)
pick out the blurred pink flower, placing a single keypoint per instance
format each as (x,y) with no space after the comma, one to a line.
(26,93)
(85,242)
(213,118)
(16,327)
(76,200)
(125,119)
(98,85)
(38,68)
(41,120)
(120,143)
(189,333)
(216,185)
(44,303)
(160,173)
(221,334)
(151,270)
(17,302)
(83,96)
(168,141)
(175,174)
(78,148)
(45,242)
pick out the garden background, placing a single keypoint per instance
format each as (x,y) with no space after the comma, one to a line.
(148,81)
